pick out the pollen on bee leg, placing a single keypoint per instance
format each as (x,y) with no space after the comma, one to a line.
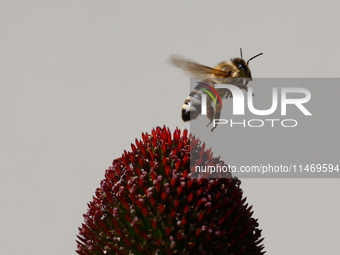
(210,114)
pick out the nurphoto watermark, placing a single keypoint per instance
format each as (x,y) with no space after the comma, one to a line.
(239,104)
(270,128)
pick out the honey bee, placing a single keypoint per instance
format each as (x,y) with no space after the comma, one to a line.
(235,72)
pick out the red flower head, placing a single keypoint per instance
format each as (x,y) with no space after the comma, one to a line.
(149,204)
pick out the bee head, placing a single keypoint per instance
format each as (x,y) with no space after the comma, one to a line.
(243,67)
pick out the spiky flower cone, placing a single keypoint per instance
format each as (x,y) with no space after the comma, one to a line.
(148,204)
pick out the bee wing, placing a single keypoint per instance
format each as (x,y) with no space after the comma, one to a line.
(196,70)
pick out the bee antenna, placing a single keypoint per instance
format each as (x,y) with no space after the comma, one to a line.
(241,52)
(254,57)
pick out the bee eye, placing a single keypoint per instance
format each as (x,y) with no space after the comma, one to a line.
(243,67)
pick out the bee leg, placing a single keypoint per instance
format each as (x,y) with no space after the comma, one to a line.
(244,87)
(210,114)
(218,109)
(229,94)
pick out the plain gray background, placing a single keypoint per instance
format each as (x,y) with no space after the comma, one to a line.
(80,80)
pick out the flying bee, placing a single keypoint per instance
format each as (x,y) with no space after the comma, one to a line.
(235,72)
